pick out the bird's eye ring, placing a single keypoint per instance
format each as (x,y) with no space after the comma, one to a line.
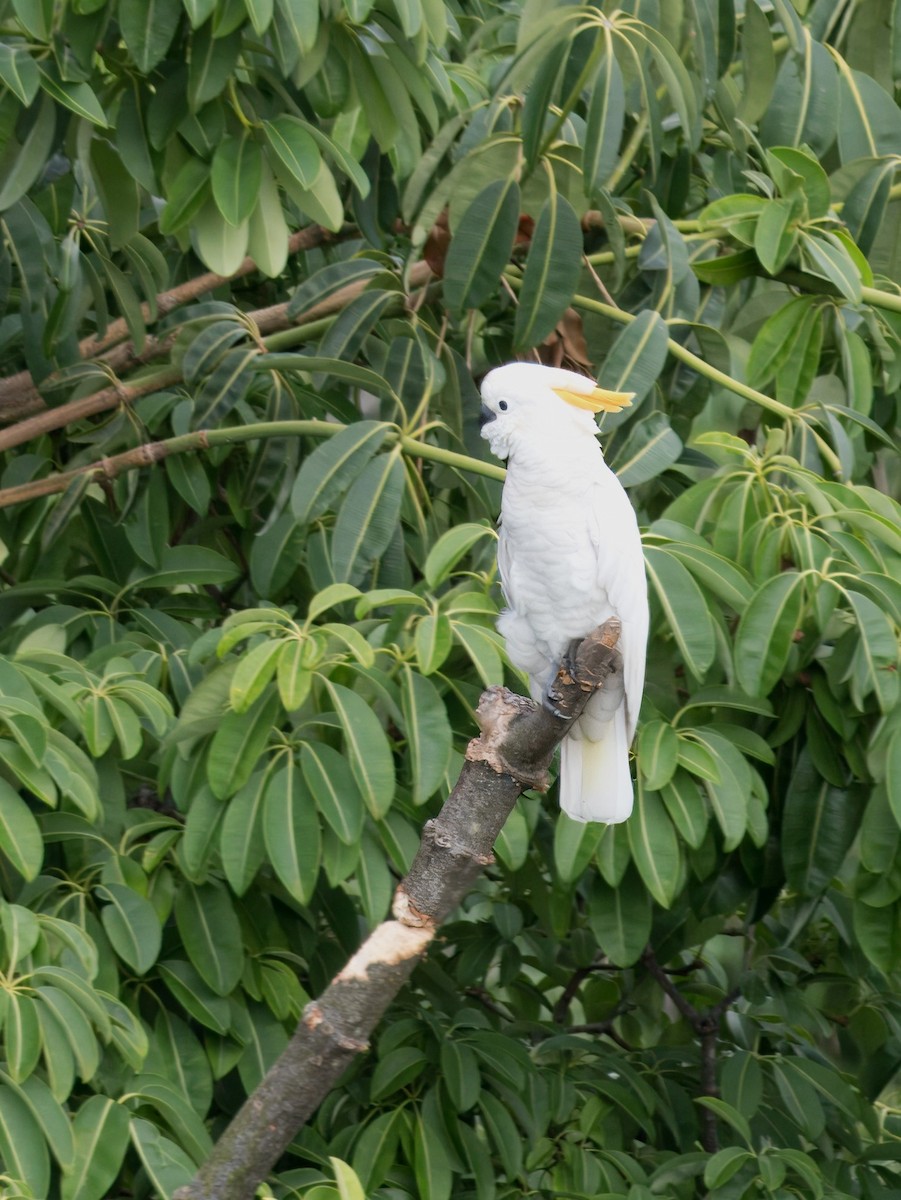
(502,405)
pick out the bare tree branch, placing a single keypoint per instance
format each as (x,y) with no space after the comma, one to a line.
(514,751)
(19,397)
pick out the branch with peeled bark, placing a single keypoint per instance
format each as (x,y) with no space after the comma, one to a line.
(512,754)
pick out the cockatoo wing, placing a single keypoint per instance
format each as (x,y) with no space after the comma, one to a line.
(621,574)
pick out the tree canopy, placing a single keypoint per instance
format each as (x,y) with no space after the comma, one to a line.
(254,256)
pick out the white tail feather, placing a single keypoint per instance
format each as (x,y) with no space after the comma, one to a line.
(595,781)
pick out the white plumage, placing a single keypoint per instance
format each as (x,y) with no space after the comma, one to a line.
(569,557)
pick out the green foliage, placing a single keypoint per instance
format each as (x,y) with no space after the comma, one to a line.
(234,685)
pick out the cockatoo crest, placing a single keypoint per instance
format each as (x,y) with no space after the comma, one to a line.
(525,399)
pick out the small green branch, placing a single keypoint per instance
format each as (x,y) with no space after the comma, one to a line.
(150,453)
(692,360)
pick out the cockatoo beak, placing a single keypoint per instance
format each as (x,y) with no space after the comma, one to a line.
(597,400)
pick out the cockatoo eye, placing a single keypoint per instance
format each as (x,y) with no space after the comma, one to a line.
(502,405)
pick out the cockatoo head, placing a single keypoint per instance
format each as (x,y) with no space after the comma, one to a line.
(529,401)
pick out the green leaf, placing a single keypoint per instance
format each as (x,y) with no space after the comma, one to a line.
(253,673)
(684,607)
(195,996)
(291,832)
(20,836)
(658,754)
(211,934)
(166,1164)
(19,72)
(238,744)
(79,98)
(825,254)
(428,733)
(651,447)
(449,549)
(684,801)
(574,845)
(368,750)
(241,842)
(181,565)
(331,468)
(368,517)
(220,245)
(878,933)
(869,124)
(431,1168)
(132,926)
(742,1082)
(328,281)
(655,849)
(23,1149)
(211,64)
(332,785)
(236,175)
(766,632)
(724,1164)
(294,147)
(31,159)
(349,1185)
(433,641)
(800,1099)
(804,108)
(22,1034)
(147,29)
(187,194)
(551,273)
(637,356)
(820,822)
(604,124)
(268,234)
(481,245)
(776,234)
(620,918)
(729,1114)
(101,1138)
(460,1074)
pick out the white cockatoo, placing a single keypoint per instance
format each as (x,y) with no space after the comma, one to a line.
(569,556)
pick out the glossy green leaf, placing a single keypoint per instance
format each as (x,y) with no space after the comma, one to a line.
(650,448)
(22,1145)
(552,271)
(209,929)
(21,174)
(331,468)
(148,28)
(19,72)
(291,831)
(655,849)
(101,1138)
(684,800)
(684,608)
(368,517)
(132,926)
(428,732)
(238,745)
(367,748)
(481,245)
(819,823)
(20,837)
(241,842)
(167,1165)
(333,788)
(620,918)
(236,175)
(766,632)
